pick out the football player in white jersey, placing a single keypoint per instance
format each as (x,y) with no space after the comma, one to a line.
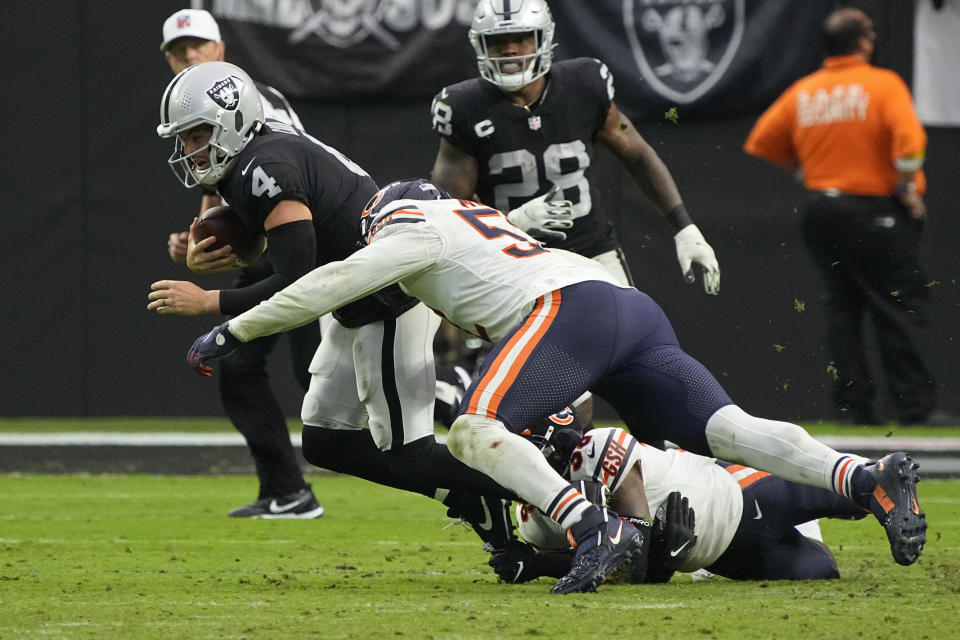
(742,523)
(469,264)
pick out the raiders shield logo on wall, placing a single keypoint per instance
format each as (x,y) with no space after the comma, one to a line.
(683,47)
(226,93)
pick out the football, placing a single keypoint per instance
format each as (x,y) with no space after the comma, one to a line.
(225,223)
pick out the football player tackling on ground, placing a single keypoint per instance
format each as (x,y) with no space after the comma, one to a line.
(733,520)
(469,264)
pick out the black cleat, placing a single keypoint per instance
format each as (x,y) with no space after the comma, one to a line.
(894,503)
(601,549)
(299,505)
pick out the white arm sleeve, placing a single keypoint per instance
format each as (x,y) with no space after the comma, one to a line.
(396,253)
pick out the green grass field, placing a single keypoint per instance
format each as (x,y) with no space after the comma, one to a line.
(156,557)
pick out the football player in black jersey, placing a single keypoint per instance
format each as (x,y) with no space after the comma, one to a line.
(375,363)
(192,36)
(523,136)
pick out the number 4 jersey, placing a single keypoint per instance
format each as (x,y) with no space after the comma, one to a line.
(283,163)
(521,152)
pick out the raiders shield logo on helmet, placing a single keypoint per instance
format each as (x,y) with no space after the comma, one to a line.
(683,47)
(226,93)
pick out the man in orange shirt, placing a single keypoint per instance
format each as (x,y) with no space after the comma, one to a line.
(850,128)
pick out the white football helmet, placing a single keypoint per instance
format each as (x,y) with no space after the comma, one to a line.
(216,93)
(495,17)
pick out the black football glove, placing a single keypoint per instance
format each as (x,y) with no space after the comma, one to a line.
(520,562)
(210,346)
(673,537)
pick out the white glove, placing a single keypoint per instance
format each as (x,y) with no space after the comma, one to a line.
(692,247)
(541,217)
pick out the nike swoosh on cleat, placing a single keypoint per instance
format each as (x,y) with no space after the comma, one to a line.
(616,539)
(244,172)
(519,571)
(759,513)
(675,552)
(280,508)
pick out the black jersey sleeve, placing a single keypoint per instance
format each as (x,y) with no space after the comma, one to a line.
(270,182)
(293,253)
(453,109)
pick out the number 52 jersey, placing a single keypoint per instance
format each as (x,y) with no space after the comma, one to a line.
(521,152)
(462,259)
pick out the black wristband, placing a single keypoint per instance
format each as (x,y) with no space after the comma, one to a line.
(678,217)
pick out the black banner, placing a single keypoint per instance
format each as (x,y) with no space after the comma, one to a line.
(713,58)
(335,50)
(709,57)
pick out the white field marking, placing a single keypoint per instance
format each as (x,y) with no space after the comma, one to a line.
(158,439)
(630,607)
(165,439)
(204,542)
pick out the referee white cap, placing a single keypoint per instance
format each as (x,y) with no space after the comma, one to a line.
(190,23)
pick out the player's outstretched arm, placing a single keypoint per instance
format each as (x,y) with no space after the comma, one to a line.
(654,179)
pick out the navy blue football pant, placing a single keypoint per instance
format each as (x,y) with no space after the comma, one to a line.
(766,545)
(616,342)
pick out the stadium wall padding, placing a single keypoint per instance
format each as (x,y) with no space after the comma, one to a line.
(91,202)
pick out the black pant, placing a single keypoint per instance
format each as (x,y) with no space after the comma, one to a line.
(868,250)
(251,405)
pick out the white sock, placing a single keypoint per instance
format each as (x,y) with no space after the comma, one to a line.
(780,448)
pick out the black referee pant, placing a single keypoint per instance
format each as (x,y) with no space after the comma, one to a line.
(868,250)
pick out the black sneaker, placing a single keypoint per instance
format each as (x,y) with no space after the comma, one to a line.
(299,505)
(894,503)
(601,548)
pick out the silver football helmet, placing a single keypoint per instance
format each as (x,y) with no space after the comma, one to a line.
(495,17)
(221,95)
